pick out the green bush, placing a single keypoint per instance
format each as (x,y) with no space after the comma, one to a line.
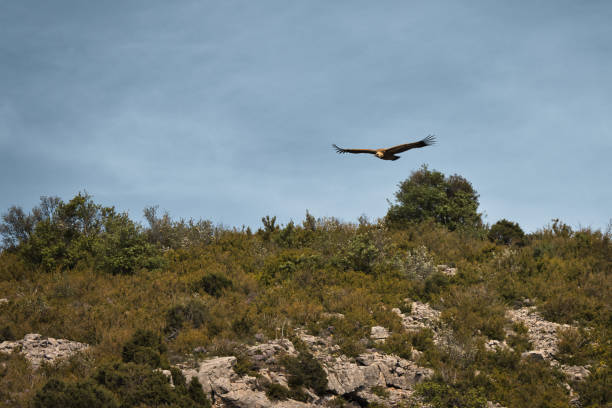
(57,394)
(277,392)
(196,393)
(136,384)
(58,235)
(145,347)
(506,233)
(194,312)
(305,370)
(214,284)
(450,201)
(443,395)
(399,344)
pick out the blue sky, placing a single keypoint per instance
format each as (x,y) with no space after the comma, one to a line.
(226,110)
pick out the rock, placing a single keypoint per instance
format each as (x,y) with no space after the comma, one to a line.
(247,399)
(4,301)
(344,376)
(332,315)
(447,270)
(575,373)
(395,371)
(214,374)
(491,404)
(258,399)
(32,337)
(421,316)
(168,375)
(37,350)
(534,355)
(542,333)
(266,353)
(379,334)
(496,345)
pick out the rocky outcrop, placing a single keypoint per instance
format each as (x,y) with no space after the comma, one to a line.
(379,334)
(39,350)
(542,333)
(373,370)
(351,378)
(446,270)
(421,316)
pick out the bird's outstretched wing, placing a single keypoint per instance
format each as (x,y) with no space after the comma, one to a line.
(429,140)
(341,150)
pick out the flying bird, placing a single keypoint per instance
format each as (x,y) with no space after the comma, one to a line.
(390,153)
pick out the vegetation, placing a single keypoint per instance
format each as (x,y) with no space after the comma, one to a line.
(145,297)
(506,233)
(429,195)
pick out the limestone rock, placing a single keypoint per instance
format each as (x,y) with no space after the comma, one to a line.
(332,316)
(37,349)
(266,353)
(421,316)
(575,373)
(344,376)
(447,270)
(379,334)
(496,345)
(542,333)
(214,374)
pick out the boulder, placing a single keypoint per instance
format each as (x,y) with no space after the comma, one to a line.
(379,334)
(214,374)
(37,349)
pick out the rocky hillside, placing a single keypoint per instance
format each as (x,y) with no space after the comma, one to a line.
(260,376)
(432,311)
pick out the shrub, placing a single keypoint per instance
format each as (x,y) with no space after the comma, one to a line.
(277,392)
(419,264)
(361,253)
(145,347)
(450,201)
(214,284)
(506,233)
(305,370)
(60,235)
(136,384)
(442,395)
(399,344)
(57,394)
(196,393)
(194,312)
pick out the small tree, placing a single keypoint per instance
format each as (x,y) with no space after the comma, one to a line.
(450,201)
(506,232)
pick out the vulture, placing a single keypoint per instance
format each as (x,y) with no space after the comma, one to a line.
(390,153)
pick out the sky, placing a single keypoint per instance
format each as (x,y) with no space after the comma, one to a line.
(226,110)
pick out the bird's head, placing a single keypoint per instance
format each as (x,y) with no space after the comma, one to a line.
(379,155)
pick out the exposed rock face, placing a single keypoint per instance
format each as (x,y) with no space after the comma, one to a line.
(348,377)
(37,349)
(496,345)
(447,270)
(379,334)
(542,333)
(266,353)
(575,373)
(544,337)
(421,316)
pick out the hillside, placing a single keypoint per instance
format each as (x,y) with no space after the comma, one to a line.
(318,313)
